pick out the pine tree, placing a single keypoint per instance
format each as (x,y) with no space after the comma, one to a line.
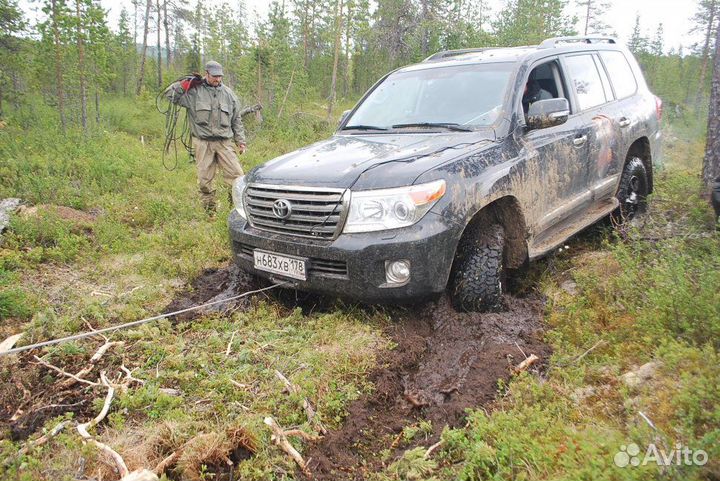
(12,23)
(591,12)
(143,55)
(711,162)
(527,22)
(706,19)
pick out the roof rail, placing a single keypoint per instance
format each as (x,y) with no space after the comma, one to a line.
(452,53)
(553,42)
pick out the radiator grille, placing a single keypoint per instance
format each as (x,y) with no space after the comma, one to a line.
(314,212)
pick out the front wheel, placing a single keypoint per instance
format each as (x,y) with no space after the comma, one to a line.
(633,190)
(476,282)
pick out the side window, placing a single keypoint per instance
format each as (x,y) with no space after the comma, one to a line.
(585,81)
(620,72)
(542,84)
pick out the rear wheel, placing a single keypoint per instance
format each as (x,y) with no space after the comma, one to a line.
(476,283)
(633,190)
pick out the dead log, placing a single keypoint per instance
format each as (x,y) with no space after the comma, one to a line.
(281,440)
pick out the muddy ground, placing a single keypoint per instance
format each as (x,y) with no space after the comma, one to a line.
(444,362)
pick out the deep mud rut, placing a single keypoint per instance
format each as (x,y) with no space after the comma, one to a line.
(444,362)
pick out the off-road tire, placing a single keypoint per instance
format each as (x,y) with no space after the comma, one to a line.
(632,191)
(476,283)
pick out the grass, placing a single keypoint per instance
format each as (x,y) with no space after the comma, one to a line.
(139,235)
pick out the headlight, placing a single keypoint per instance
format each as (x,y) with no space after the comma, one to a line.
(237,195)
(373,210)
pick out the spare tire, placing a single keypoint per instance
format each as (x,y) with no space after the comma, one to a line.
(476,281)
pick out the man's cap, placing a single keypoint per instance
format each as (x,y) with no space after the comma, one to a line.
(214,68)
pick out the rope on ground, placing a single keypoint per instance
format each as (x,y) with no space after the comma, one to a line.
(135,323)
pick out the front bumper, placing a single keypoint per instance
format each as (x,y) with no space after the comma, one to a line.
(353,265)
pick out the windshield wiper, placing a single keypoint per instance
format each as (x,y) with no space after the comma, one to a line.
(445,125)
(363,127)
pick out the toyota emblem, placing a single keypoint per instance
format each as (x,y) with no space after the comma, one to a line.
(282,209)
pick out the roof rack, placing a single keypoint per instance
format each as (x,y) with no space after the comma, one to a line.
(453,53)
(553,42)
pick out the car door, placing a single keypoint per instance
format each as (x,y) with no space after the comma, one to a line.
(593,94)
(557,159)
(619,121)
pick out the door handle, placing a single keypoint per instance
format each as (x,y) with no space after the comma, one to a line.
(624,122)
(578,141)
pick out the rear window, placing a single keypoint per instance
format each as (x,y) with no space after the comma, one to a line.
(585,81)
(621,74)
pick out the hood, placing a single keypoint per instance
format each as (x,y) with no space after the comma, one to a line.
(368,161)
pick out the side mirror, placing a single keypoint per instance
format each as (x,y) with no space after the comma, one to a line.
(548,113)
(343,117)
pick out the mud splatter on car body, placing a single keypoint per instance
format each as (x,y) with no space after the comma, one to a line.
(542,174)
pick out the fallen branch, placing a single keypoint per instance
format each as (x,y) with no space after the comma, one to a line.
(433,448)
(281,440)
(103,349)
(129,377)
(84,427)
(93,361)
(301,434)
(523,366)
(229,346)
(9,343)
(597,344)
(43,439)
(239,384)
(74,377)
(309,410)
(167,462)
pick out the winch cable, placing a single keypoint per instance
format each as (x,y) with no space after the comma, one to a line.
(97,332)
(171,113)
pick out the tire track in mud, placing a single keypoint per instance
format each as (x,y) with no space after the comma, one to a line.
(444,363)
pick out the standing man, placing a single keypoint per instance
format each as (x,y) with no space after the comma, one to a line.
(215,123)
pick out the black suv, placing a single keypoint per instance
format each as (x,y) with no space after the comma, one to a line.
(449,171)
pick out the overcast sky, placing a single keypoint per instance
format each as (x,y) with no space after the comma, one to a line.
(673,14)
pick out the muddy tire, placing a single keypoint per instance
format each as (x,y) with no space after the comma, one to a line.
(632,192)
(476,283)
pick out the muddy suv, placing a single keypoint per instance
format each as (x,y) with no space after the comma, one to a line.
(452,170)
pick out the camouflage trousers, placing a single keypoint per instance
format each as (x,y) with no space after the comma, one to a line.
(209,155)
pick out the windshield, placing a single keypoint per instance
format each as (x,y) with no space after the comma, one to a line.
(467,95)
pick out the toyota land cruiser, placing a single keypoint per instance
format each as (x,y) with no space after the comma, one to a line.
(449,171)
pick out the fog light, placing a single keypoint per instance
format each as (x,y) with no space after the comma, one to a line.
(397,272)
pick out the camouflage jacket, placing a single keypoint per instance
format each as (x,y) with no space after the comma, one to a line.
(214,111)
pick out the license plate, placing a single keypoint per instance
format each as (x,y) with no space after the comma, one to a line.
(278,264)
